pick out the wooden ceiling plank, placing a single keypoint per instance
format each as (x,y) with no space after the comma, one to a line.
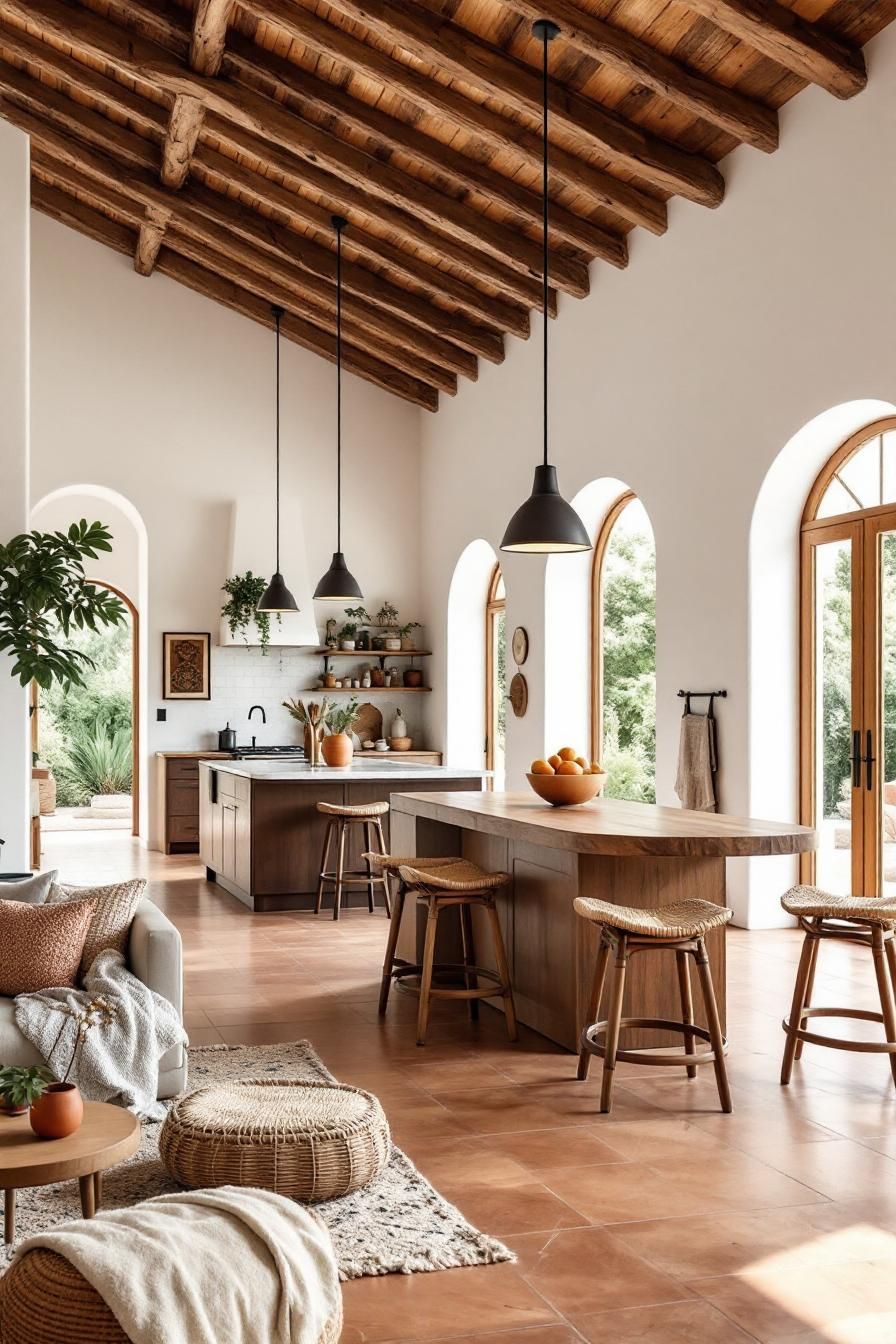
(449,47)
(139,59)
(788,40)
(601,188)
(93,224)
(498,313)
(184,125)
(209,35)
(748,121)
(149,239)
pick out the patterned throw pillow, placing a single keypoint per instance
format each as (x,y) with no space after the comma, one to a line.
(111,926)
(34,890)
(41,945)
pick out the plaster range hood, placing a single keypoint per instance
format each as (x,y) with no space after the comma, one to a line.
(252,547)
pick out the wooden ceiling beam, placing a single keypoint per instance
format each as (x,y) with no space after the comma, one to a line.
(149,239)
(488,127)
(790,41)
(209,35)
(450,48)
(94,224)
(138,59)
(184,125)
(748,121)
(497,313)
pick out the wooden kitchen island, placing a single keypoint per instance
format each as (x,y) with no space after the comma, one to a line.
(261,835)
(631,854)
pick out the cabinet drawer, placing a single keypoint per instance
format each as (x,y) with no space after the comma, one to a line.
(183,769)
(181,829)
(183,798)
(233,786)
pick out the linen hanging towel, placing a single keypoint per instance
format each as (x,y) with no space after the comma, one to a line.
(697,763)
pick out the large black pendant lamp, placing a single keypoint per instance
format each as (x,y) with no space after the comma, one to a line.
(277,597)
(545,523)
(338,584)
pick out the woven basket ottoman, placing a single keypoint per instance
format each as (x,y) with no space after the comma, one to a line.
(309,1141)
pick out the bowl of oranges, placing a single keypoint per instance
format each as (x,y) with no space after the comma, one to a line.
(567,779)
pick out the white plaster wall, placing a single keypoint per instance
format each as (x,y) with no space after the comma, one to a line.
(685,376)
(144,388)
(15,744)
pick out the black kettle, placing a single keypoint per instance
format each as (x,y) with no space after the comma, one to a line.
(227,738)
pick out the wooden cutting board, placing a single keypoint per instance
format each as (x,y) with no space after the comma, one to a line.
(369,723)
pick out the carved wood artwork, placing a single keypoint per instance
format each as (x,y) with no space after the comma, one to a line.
(519,694)
(213,143)
(186,666)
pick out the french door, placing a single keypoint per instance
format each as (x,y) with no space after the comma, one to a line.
(848,710)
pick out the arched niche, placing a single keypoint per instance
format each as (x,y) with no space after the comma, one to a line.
(466,655)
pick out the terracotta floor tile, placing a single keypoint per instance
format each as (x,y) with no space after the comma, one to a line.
(671,1323)
(543,1150)
(661,1139)
(849,1304)
(840,1169)
(495,1110)
(205,1036)
(587,1270)
(538,1334)
(506,1208)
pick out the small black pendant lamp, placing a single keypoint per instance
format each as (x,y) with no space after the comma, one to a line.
(277,597)
(545,523)
(338,584)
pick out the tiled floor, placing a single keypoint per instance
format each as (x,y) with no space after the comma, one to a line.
(666,1223)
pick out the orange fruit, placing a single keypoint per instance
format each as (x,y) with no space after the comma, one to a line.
(554,761)
(570,768)
(541,768)
(567,753)
(596,768)
(580,760)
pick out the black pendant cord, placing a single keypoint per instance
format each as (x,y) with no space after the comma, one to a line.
(278,313)
(545,259)
(339,387)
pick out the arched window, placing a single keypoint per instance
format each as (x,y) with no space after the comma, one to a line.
(495,676)
(623,663)
(848,666)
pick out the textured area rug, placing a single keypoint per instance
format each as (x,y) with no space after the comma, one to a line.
(397,1225)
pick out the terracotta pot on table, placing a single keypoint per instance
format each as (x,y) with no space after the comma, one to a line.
(58,1112)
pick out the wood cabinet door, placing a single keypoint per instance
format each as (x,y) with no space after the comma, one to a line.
(228,841)
(242,872)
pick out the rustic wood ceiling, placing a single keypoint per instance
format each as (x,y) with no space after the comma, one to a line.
(212,141)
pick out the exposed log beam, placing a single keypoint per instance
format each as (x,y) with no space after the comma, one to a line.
(601,188)
(790,41)
(210,20)
(149,239)
(451,48)
(495,312)
(138,59)
(179,145)
(93,224)
(746,120)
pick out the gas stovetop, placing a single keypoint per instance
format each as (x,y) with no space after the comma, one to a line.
(297,753)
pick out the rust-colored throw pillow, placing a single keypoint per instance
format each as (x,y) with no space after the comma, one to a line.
(41,945)
(111,925)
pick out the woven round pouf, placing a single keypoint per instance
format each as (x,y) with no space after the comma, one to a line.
(310,1141)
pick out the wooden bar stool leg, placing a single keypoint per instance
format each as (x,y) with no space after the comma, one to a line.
(382,840)
(810,985)
(391,944)
(340,869)
(614,1016)
(324,860)
(466,936)
(890,950)
(368,846)
(687,1005)
(796,1007)
(597,989)
(885,990)
(716,1038)
(429,956)
(503,971)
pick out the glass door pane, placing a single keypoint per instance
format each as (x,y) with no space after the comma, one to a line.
(835,716)
(885,747)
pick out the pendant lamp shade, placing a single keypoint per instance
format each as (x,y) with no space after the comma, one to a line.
(545,524)
(277,597)
(338,584)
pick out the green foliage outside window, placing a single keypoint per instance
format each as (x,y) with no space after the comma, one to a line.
(629,665)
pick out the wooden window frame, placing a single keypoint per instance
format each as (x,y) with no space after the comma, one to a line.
(601,545)
(135,700)
(493,605)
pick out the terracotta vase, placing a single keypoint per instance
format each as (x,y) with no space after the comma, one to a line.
(413,676)
(58,1112)
(337,749)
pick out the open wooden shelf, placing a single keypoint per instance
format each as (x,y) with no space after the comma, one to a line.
(375,653)
(368,690)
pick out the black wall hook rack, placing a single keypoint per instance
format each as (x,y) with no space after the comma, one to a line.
(702,695)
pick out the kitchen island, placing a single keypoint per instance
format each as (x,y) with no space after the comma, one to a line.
(633,854)
(261,836)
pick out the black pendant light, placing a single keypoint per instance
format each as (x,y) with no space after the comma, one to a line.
(277,597)
(545,523)
(338,585)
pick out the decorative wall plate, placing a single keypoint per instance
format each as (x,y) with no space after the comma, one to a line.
(520,645)
(519,694)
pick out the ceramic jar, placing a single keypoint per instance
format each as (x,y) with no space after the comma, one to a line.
(365,680)
(393,643)
(413,677)
(377,677)
(381,744)
(399,728)
(347,645)
(58,1112)
(337,749)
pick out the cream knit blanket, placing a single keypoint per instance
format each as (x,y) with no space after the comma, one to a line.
(225,1266)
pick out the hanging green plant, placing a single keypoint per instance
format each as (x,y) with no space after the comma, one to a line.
(241,608)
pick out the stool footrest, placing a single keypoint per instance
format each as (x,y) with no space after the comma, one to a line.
(839,1042)
(400,974)
(595,1046)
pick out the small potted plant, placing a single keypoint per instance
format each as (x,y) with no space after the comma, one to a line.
(241,608)
(337,748)
(363,619)
(408,643)
(347,635)
(387,619)
(20,1087)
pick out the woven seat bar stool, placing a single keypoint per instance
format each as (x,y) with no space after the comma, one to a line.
(624,932)
(339,822)
(440,884)
(867,920)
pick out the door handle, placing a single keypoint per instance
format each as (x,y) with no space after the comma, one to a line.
(856,758)
(869,759)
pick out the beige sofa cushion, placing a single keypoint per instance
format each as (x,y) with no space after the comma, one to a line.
(32,890)
(111,924)
(14,1047)
(41,945)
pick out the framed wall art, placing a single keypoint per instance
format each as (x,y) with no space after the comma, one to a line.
(186,665)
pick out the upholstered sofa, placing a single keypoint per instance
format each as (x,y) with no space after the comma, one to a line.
(155,956)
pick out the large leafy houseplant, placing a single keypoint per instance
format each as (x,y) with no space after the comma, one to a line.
(241,608)
(45,594)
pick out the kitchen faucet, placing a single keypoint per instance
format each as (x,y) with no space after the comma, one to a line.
(264,717)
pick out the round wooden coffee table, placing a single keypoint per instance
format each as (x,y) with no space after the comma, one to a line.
(108,1135)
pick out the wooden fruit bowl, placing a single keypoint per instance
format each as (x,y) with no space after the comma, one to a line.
(567,790)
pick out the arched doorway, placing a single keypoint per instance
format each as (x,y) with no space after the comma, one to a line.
(496,677)
(848,665)
(472,585)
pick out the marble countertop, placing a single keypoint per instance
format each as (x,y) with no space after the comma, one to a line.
(368,770)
